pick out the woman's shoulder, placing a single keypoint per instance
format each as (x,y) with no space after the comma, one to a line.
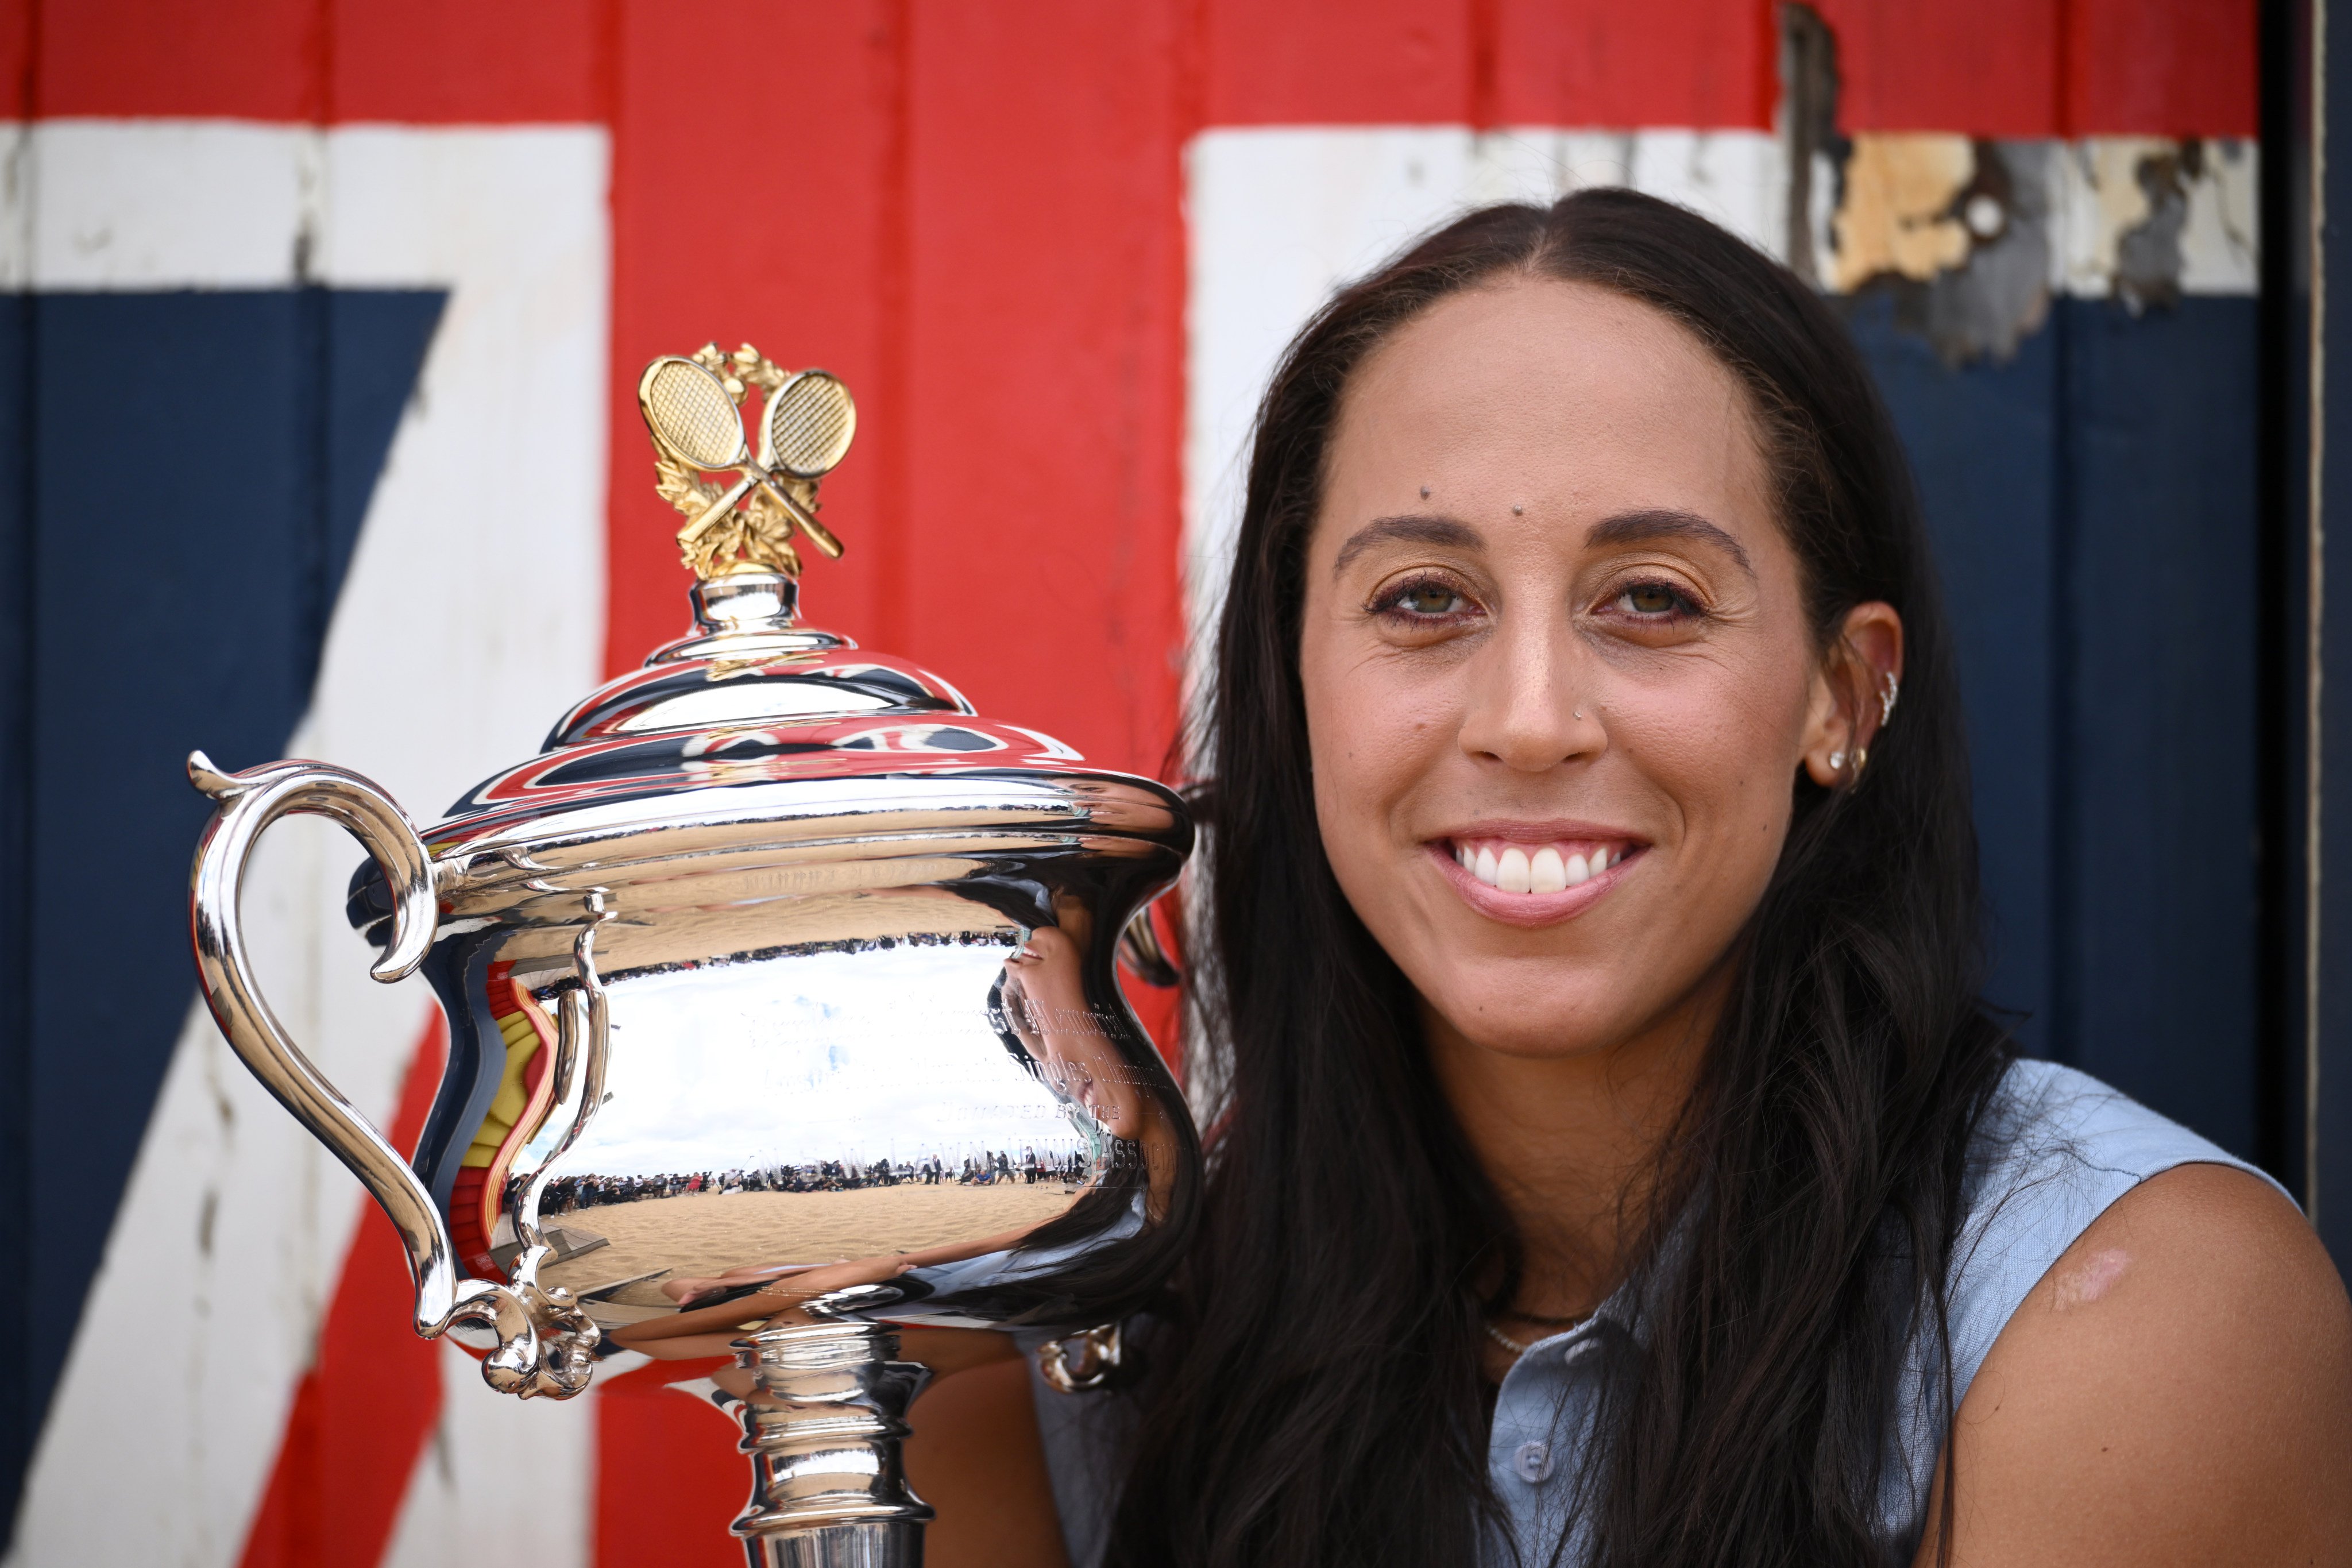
(2176,1385)
(2054,1150)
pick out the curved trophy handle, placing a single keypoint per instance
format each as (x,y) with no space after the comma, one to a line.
(544,1340)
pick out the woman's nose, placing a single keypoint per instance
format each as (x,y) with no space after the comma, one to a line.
(1525,707)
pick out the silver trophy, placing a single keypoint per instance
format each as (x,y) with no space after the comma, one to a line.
(782,1011)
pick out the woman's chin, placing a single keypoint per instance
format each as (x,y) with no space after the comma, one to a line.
(1546,1023)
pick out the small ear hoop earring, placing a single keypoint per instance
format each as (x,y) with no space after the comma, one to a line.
(1861,756)
(1886,699)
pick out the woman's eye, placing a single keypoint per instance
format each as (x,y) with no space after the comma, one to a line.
(1425,600)
(1653,599)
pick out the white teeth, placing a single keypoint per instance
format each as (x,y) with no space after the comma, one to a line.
(1515,870)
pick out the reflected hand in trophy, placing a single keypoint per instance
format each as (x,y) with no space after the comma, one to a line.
(782,1010)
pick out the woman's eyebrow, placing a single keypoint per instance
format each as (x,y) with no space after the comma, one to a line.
(1411,527)
(1639,527)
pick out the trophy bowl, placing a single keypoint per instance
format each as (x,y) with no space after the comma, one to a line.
(782,1010)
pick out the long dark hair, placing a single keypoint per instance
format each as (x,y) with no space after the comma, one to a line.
(1315,1392)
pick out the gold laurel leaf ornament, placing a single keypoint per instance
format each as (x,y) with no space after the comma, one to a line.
(693,408)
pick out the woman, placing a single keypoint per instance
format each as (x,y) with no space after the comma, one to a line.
(1616,1164)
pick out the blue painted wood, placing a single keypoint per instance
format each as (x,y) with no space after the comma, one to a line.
(2093,504)
(1983,447)
(2331,1110)
(201,466)
(2159,773)
(17,1420)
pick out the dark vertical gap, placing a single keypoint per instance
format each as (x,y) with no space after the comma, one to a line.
(893,288)
(1485,84)
(1809,101)
(2062,70)
(17,671)
(2282,522)
(19,651)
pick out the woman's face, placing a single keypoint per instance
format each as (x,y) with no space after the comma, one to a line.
(1557,671)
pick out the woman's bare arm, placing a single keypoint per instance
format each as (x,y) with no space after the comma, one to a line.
(974,1456)
(2178,1389)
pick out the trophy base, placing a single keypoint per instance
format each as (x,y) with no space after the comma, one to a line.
(822,1429)
(897,1544)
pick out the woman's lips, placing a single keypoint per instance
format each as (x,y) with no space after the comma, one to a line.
(1532,884)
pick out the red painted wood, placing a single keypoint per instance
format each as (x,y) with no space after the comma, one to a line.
(1996,68)
(668,1478)
(1988,68)
(2179,68)
(365,1408)
(1708,64)
(253,59)
(984,240)
(422,62)
(1367,62)
(1045,368)
(776,228)
(19,98)
(2048,67)
(464,61)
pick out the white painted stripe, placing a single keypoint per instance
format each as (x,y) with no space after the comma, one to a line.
(472,615)
(501,1481)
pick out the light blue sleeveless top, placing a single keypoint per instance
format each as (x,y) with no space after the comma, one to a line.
(2056,1148)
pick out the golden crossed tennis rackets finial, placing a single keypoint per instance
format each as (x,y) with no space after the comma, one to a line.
(693,405)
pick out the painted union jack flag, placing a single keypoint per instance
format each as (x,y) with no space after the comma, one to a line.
(322,443)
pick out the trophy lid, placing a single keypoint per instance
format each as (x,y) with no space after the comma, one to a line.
(752,717)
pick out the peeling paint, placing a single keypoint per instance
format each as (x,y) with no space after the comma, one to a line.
(1899,213)
(1975,251)
(2149,218)
(1974,238)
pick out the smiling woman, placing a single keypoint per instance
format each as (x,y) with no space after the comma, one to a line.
(1614,1161)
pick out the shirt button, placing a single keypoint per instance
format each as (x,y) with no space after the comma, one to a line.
(1533,1461)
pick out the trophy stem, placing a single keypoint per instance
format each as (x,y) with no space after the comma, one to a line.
(822,1429)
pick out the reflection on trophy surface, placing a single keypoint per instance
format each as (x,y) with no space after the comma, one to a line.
(782,1004)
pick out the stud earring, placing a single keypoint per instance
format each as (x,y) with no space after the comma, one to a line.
(1837,762)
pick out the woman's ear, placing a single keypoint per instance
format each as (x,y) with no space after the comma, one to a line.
(1854,692)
